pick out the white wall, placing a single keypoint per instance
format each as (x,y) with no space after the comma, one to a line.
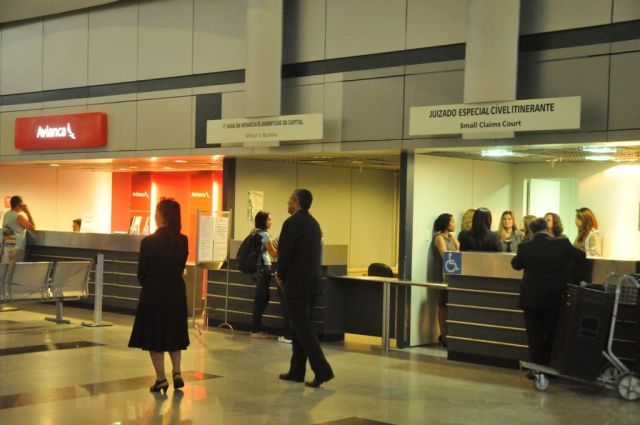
(449,185)
(56,196)
(354,208)
(611,191)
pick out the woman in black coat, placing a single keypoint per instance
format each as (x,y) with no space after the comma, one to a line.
(161,318)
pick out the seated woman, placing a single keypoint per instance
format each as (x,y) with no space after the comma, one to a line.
(480,237)
(508,233)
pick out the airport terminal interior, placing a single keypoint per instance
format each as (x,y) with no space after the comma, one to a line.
(392,113)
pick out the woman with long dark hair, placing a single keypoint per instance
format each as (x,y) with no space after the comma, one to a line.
(480,237)
(262,278)
(161,318)
(554,225)
(443,240)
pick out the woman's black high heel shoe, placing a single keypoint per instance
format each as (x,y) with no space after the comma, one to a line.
(178,382)
(160,386)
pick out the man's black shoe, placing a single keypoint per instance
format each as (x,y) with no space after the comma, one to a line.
(318,381)
(289,377)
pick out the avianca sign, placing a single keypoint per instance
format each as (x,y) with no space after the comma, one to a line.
(88,130)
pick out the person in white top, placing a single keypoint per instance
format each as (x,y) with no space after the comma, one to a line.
(589,239)
(15,224)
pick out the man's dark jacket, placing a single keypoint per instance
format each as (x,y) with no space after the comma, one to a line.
(549,264)
(299,255)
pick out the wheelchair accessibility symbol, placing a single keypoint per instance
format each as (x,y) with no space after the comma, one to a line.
(452,263)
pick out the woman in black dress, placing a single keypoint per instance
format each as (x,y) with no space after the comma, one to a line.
(161,319)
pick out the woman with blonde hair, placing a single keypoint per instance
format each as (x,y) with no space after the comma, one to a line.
(588,239)
(467,220)
(508,233)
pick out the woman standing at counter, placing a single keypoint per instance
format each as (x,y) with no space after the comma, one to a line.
(467,219)
(161,318)
(526,221)
(508,233)
(554,225)
(480,237)
(443,240)
(588,239)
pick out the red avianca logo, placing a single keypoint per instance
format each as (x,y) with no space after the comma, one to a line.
(86,130)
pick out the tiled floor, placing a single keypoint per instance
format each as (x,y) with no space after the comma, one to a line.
(77,375)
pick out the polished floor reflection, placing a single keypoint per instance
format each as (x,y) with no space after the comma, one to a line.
(89,376)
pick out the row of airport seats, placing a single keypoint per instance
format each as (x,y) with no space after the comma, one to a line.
(45,281)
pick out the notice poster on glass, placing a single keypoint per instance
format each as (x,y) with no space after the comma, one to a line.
(213,238)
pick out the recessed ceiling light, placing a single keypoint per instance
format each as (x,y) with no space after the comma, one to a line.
(123,169)
(167,168)
(496,153)
(54,165)
(600,149)
(598,158)
(180,161)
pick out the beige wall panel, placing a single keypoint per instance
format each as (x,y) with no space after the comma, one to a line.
(435,23)
(304,30)
(373,218)
(233,105)
(626,10)
(113,44)
(121,124)
(553,15)
(164,124)
(585,77)
(275,179)
(372,109)
(302,99)
(624,105)
(7,130)
(219,37)
(65,54)
(359,27)
(165,38)
(22,58)
(331,188)
(333,95)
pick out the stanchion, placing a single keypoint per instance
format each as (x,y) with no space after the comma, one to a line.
(97,301)
(195,276)
(226,295)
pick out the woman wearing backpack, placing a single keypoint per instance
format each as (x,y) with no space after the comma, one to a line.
(263,275)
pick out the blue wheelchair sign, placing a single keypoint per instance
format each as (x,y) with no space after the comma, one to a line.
(452,263)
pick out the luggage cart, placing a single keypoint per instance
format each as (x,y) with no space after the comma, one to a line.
(615,374)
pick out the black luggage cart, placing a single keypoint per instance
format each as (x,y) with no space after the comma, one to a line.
(591,311)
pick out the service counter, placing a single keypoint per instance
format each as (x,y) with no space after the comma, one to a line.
(121,289)
(327,315)
(485,324)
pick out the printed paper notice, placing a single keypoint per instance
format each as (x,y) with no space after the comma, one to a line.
(205,239)
(255,203)
(220,238)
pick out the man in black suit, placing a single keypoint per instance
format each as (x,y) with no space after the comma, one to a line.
(549,264)
(299,258)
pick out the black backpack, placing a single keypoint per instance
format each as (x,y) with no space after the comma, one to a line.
(249,255)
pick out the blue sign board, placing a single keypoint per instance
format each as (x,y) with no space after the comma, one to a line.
(452,263)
